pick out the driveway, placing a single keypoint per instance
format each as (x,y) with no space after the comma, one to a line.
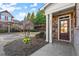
(6,38)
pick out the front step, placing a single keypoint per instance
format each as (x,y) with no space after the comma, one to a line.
(63,42)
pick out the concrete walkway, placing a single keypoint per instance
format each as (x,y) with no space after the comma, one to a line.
(56,49)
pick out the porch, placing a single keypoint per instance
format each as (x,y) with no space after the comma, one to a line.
(60,24)
(56,49)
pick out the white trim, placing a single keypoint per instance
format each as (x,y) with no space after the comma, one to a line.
(50,26)
(69,28)
(45,5)
(47,28)
(58,7)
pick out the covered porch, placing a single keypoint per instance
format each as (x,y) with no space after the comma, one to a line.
(60,22)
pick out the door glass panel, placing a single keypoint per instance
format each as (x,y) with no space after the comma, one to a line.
(64,26)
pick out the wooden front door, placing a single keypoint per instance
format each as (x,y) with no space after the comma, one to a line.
(64,28)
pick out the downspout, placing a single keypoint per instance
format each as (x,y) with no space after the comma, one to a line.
(75,15)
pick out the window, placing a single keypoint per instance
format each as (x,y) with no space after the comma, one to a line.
(9,18)
(2,18)
(64,26)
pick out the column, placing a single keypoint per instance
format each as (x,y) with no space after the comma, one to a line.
(47,33)
(77,14)
(50,28)
(0,18)
(8,24)
(12,20)
(6,20)
(76,30)
(9,28)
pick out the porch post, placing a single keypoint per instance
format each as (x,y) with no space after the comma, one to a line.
(12,20)
(50,26)
(47,31)
(77,14)
(0,18)
(8,27)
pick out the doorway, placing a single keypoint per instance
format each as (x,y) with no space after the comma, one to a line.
(64,28)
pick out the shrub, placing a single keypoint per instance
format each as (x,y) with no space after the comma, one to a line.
(26,40)
(3,31)
(41,35)
(33,30)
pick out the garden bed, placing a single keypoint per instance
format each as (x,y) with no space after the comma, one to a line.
(18,48)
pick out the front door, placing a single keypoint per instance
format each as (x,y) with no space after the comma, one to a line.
(64,28)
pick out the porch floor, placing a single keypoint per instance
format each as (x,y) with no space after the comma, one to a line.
(56,49)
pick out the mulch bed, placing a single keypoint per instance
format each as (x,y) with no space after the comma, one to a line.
(18,48)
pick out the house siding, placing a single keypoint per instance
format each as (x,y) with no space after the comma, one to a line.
(76,31)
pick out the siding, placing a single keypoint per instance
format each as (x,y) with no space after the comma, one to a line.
(76,31)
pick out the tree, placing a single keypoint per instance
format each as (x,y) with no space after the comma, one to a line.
(32,17)
(28,16)
(25,18)
(28,25)
(40,17)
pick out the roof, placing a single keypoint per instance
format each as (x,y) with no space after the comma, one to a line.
(45,5)
(6,12)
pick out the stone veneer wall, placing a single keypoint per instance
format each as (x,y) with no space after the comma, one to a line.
(76,31)
(55,23)
(55,27)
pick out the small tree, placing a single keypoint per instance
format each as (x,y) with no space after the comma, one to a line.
(28,25)
(24,23)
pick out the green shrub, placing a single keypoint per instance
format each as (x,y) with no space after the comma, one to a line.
(26,40)
(3,31)
(33,30)
(41,35)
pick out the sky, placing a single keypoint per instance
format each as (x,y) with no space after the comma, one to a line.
(19,10)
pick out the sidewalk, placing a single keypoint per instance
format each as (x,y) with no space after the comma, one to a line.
(56,49)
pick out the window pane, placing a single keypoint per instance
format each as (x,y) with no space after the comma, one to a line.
(64,26)
(65,29)
(2,18)
(9,19)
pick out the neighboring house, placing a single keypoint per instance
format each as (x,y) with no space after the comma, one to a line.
(62,23)
(6,20)
(17,26)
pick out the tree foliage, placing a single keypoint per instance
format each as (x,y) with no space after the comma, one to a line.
(28,16)
(32,17)
(40,17)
